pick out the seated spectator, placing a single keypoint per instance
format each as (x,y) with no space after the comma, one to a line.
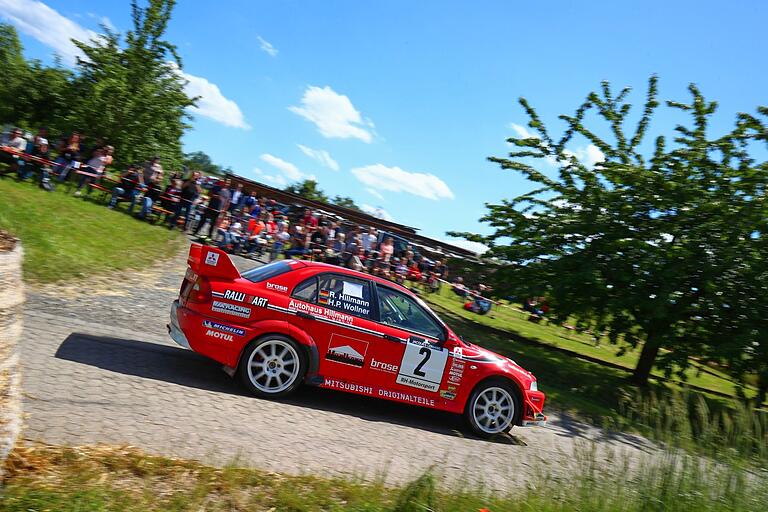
(357,260)
(152,194)
(298,243)
(281,239)
(400,270)
(331,255)
(368,240)
(387,249)
(458,287)
(479,305)
(318,241)
(95,166)
(43,156)
(69,155)
(18,144)
(129,188)
(171,195)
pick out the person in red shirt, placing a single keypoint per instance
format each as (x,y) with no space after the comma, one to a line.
(309,220)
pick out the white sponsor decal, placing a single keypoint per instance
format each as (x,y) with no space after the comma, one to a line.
(349,303)
(233,295)
(223,327)
(456,371)
(352,289)
(387,367)
(329,314)
(231,309)
(277,287)
(422,366)
(381,393)
(220,335)
(212,259)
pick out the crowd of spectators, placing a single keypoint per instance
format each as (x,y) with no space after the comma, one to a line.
(215,211)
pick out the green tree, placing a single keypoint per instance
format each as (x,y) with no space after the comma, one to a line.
(132,95)
(645,249)
(345,201)
(307,189)
(200,161)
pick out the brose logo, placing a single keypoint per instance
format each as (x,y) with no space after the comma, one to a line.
(276,287)
(387,367)
(220,335)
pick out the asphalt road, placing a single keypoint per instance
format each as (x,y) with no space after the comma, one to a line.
(99,368)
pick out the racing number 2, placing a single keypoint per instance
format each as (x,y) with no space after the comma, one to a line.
(422,366)
(426,353)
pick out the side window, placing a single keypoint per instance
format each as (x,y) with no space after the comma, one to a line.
(400,311)
(306,290)
(346,294)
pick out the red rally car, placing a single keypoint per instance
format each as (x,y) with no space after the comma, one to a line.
(292,322)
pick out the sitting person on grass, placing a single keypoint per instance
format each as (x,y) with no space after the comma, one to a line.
(130,185)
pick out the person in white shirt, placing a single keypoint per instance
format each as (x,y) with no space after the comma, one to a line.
(95,165)
(237,196)
(369,241)
(17,143)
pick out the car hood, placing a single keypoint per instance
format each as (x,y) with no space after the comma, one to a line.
(483,355)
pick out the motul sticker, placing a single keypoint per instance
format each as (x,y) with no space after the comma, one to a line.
(219,335)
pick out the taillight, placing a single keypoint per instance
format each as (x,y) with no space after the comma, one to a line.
(200,291)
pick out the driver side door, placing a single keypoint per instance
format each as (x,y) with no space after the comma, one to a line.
(409,358)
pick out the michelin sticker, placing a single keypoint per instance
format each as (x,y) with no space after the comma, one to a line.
(223,328)
(212,259)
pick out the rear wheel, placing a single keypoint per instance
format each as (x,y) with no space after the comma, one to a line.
(273,366)
(492,408)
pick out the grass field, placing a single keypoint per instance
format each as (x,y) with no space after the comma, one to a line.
(65,237)
(516,324)
(125,480)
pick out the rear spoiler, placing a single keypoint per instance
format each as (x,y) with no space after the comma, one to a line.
(208,261)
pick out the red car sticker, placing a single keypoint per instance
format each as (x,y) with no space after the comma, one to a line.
(230,309)
(277,287)
(422,366)
(346,350)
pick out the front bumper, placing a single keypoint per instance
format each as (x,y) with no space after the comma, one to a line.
(174,330)
(532,410)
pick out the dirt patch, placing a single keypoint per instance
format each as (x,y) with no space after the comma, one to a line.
(7,242)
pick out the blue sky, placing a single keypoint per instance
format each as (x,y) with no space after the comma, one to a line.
(398,103)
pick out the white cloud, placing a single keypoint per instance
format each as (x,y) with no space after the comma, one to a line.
(333,114)
(521,131)
(475,247)
(267,47)
(377,211)
(212,103)
(395,179)
(288,171)
(45,24)
(278,180)
(321,155)
(375,193)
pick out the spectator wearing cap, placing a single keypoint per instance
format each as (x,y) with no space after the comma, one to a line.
(43,155)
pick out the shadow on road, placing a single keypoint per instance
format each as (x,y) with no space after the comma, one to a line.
(185,368)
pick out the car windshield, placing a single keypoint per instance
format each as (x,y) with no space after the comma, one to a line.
(268,271)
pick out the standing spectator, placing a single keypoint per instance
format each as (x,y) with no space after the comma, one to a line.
(190,191)
(212,211)
(130,182)
(369,240)
(318,240)
(310,221)
(249,202)
(386,249)
(237,198)
(225,194)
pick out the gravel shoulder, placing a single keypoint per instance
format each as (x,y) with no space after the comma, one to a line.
(100,368)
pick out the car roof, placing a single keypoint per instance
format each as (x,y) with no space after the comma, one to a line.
(362,275)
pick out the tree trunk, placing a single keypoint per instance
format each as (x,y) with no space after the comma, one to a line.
(647,359)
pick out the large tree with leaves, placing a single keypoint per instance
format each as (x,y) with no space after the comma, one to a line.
(646,248)
(132,95)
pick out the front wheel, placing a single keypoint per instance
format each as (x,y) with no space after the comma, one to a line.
(492,408)
(273,366)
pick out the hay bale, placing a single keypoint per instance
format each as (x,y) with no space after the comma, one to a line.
(11,313)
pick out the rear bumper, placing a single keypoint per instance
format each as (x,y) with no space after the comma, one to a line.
(174,330)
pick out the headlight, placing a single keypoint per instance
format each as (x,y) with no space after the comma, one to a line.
(534,386)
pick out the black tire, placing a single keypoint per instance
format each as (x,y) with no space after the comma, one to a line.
(266,369)
(486,426)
